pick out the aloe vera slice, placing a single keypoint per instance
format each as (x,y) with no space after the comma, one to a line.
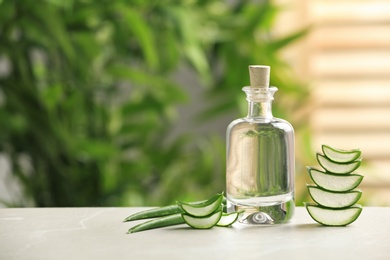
(337,168)
(340,156)
(334,182)
(228,219)
(170,210)
(202,222)
(202,209)
(332,199)
(334,217)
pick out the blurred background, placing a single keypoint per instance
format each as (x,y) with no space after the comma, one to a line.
(125,103)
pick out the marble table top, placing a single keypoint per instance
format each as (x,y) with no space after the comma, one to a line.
(99,233)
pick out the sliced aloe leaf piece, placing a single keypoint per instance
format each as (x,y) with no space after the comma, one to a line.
(165,221)
(202,209)
(155,212)
(203,222)
(167,210)
(340,156)
(337,168)
(228,219)
(334,217)
(334,182)
(332,199)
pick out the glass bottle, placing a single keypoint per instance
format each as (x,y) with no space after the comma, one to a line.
(260,158)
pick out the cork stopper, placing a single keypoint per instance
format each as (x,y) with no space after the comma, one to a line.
(259,76)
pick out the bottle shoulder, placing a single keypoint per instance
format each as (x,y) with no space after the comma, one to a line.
(284,122)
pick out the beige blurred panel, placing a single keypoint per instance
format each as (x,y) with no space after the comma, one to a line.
(351,37)
(376,182)
(351,64)
(375,146)
(377,197)
(350,120)
(381,172)
(333,11)
(372,92)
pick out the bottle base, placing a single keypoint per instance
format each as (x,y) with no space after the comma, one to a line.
(264,215)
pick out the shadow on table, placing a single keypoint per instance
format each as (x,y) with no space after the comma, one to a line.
(308,226)
(314,225)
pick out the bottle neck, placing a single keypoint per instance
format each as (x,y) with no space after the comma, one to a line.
(260,102)
(260,109)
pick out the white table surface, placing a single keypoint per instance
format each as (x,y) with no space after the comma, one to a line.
(99,233)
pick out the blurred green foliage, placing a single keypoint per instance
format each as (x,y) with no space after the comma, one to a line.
(88,98)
